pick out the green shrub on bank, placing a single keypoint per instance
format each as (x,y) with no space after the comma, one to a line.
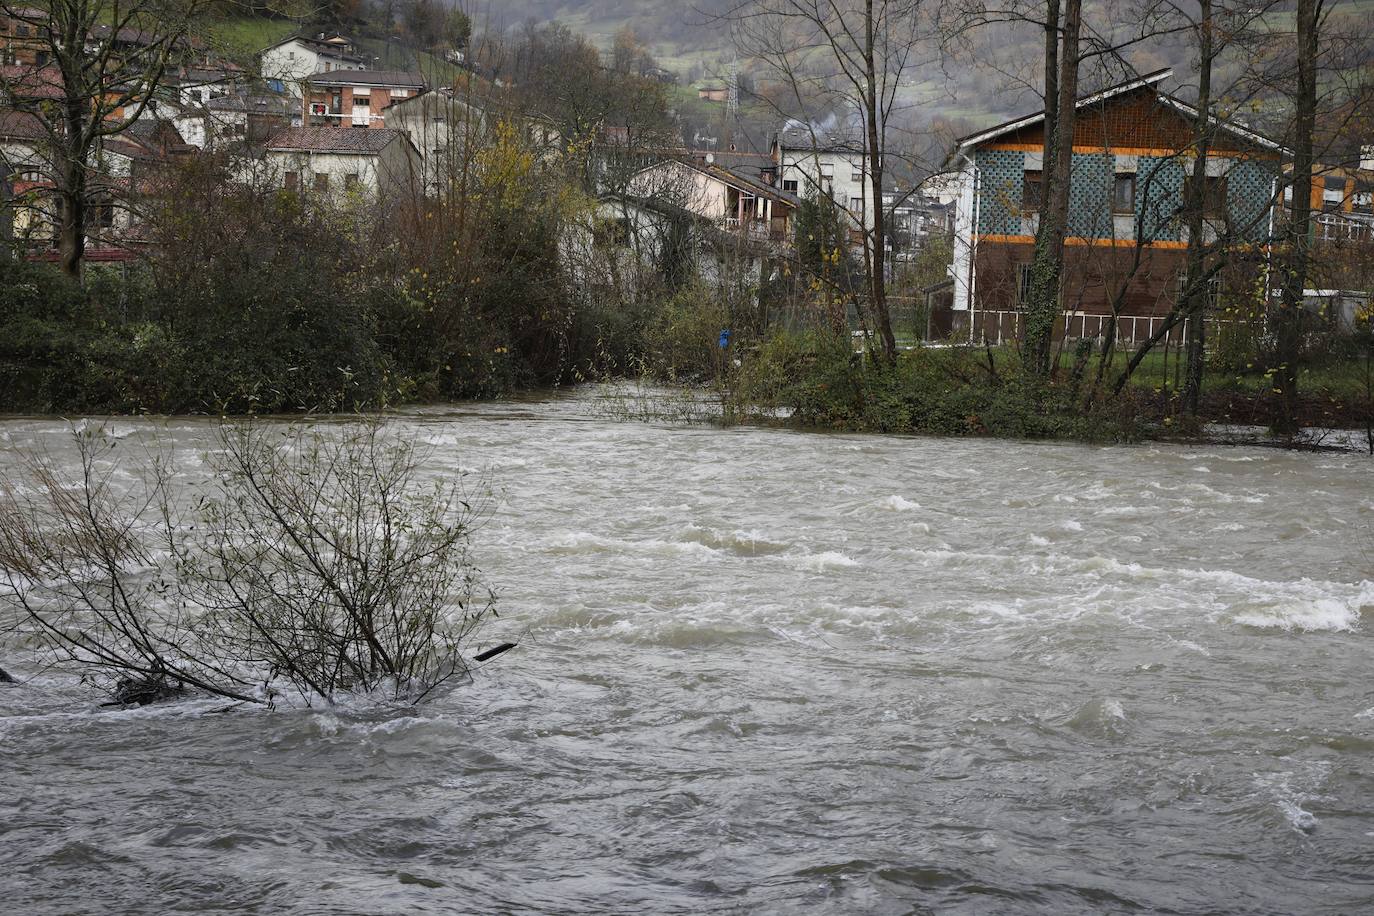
(816,379)
(228,344)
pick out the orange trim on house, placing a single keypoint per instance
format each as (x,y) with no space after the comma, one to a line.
(1163,244)
(1127,151)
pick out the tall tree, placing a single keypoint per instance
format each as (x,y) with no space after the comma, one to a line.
(1196,199)
(98,65)
(1061,109)
(1288,320)
(856,53)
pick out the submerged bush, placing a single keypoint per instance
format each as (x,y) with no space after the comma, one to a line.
(317,563)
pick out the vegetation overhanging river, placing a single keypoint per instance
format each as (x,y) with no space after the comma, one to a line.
(765,670)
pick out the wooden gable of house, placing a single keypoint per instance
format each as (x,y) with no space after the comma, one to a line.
(1140,120)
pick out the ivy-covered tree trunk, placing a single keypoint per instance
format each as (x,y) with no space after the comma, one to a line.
(1288,320)
(1042,305)
(1195,289)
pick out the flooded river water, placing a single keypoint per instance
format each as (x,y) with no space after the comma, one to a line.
(772,671)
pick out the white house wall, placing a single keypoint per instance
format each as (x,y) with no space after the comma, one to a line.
(806,168)
(965,217)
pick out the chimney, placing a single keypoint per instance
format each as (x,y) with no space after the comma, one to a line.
(1367,156)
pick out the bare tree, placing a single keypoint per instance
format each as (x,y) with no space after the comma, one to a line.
(317,562)
(96,66)
(855,53)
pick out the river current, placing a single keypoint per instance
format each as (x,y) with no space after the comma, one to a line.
(781,672)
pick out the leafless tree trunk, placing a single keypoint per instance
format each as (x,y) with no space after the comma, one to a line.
(861,50)
(108,58)
(1195,206)
(1288,317)
(1047,263)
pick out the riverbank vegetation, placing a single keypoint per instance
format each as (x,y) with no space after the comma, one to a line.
(529,251)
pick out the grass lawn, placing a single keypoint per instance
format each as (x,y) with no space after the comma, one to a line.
(242,37)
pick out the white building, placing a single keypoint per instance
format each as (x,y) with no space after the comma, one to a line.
(731,200)
(443,125)
(811,164)
(325,160)
(251,118)
(292,60)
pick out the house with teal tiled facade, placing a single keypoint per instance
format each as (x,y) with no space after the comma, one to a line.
(1126,239)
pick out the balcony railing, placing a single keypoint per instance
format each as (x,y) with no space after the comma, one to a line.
(763,230)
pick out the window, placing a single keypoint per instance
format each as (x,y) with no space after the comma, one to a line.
(293,180)
(400,93)
(790,185)
(856,204)
(351,180)
(1032,190)
(1123,193)
(1333,183)
(328,66)
(856,171)
(321,182)
(1213,195)
(827,170)
(21,31)
(361,101)
(1363,202)
(1023,282)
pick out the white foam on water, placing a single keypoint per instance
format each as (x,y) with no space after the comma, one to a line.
(1289,800)
(579,542)
(1038,541)
(898,504)
(1319,614)
(820,562)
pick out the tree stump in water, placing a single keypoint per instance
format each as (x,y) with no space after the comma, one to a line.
(132,691)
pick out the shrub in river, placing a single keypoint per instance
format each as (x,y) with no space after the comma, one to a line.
(316,563)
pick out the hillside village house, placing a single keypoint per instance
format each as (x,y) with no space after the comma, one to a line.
(441,123)
(290,61)
(834,166)
(21,45)
(635,241)
(357,98)
(325,160)
(248,118)
(1342,268)
(1129,168)
(733,200)
(125,167)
